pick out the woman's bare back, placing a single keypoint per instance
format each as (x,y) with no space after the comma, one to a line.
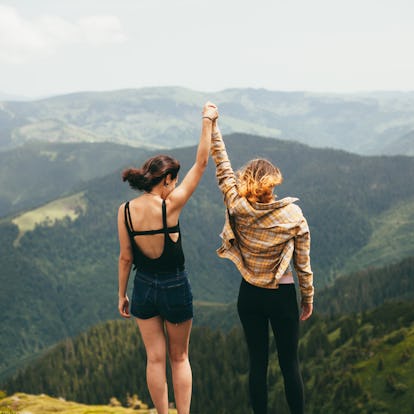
(146,214)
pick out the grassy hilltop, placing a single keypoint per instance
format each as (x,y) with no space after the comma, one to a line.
(43,404)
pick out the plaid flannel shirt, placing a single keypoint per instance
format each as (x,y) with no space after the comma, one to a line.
(262,238)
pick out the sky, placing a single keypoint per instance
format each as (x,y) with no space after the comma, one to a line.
(50,47)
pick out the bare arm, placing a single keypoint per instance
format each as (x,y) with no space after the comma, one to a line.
(183,192)
(124,264)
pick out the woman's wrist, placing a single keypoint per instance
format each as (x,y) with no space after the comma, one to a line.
(207,118)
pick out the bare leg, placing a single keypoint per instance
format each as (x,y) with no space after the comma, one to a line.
(178,342)
(153,335)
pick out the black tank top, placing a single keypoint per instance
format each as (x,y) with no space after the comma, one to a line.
(172,256)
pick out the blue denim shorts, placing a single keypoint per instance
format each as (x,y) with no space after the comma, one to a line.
(162,294)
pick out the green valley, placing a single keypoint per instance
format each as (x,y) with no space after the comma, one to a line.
(39,172)
(391,238)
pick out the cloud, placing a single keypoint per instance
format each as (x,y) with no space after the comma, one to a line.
(98,30)
(22,39)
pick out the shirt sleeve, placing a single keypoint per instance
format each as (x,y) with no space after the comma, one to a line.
(224,172)
(301,262)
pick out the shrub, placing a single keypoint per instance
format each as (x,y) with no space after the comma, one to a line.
(114,402)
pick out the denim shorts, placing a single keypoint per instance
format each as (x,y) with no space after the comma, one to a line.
(162,294)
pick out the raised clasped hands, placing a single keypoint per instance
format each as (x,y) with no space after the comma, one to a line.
(210,111)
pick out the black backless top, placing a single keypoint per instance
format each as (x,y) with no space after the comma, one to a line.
(172,256)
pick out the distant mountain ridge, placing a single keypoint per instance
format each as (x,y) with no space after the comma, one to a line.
(374,123)
(12,97)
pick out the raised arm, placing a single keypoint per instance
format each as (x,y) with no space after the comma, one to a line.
(180,195)
(224,172)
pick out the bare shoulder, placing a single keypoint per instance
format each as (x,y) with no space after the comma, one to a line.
(121,208)
(134,202)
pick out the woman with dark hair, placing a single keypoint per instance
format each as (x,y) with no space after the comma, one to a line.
(150,238)
(261,236)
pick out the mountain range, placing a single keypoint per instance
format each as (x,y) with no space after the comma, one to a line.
(371,123)
(60,166)
(58,260)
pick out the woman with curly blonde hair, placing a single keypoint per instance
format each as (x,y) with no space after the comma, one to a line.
(257,180)
(262,235)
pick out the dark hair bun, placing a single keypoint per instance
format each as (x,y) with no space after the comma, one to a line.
(136,179)
(152,172)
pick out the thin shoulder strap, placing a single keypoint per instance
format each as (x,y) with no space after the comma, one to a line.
(128,221)
(164,216)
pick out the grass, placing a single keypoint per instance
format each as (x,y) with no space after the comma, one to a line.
(48,214)
(43,404)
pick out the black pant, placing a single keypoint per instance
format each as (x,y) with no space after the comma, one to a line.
(257,306)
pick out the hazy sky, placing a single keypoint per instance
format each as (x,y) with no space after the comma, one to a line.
(57,46)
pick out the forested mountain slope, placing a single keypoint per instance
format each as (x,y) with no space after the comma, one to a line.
(356,292)
(354,364)
(61,277)
(369,288)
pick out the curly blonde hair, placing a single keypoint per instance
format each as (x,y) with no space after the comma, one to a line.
(257,179)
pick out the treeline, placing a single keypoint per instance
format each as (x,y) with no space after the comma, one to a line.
(360,363)
(109,361)
(368,288)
